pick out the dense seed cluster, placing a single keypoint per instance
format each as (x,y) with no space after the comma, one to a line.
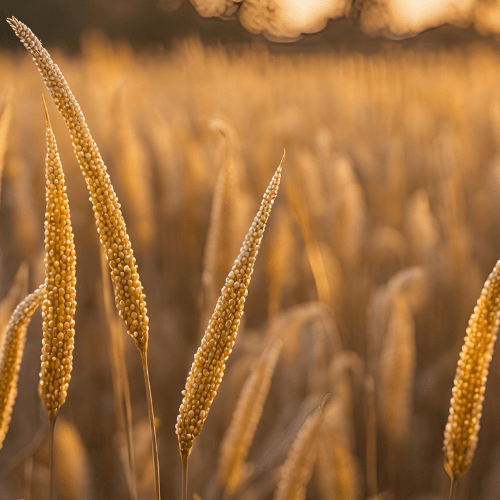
(466,404)
(58,307)
(129,297)
(12,354)
(208,366)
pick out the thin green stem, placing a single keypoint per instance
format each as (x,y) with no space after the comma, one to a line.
(184,459)
(52,424)
(156,463)
(453,488)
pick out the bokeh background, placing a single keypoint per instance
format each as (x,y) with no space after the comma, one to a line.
(385,229)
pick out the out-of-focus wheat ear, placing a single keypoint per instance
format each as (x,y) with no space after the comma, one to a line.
(397,372)
(421,226)
(135,175)
(297,470)
(220,244)
(12,353)
(17,291)
(5,118)
(313,248)
(246,416)
(282,247)
(338,475)
(73,473)
(349,217)
(379,310)
(209,362)
(466,404)
(129,297)
(121,388)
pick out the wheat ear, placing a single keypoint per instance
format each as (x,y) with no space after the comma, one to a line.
(397,372)
(18,290)
(58,308)
(466,404)
(246,416)
(208,366)
(297,470)
(129,297)
(59,304)
(12,354)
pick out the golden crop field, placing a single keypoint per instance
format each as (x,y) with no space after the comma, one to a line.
(385,227)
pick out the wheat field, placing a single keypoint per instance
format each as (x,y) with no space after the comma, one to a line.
(385,229)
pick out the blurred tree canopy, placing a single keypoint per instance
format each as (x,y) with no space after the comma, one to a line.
(159,22)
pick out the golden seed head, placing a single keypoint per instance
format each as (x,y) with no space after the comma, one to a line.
(129,296)
(13,349)
(58,307)
(208,366)
(466,404)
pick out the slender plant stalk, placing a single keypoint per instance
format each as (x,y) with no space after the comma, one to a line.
(453,488)
(144,358)
(184,459)
(52,424)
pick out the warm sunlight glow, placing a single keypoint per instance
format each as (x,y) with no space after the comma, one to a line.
(417,15)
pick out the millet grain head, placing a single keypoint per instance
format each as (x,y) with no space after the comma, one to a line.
(466,404)
(12,355)
(129,296)
(208,366)
(59,304)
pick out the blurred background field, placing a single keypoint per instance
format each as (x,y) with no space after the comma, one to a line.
(384,230)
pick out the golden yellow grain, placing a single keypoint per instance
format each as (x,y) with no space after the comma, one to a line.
(12,355)
(246,416)
(297,470)
(208,366)
(466,404)
(58,308)
(129,297)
